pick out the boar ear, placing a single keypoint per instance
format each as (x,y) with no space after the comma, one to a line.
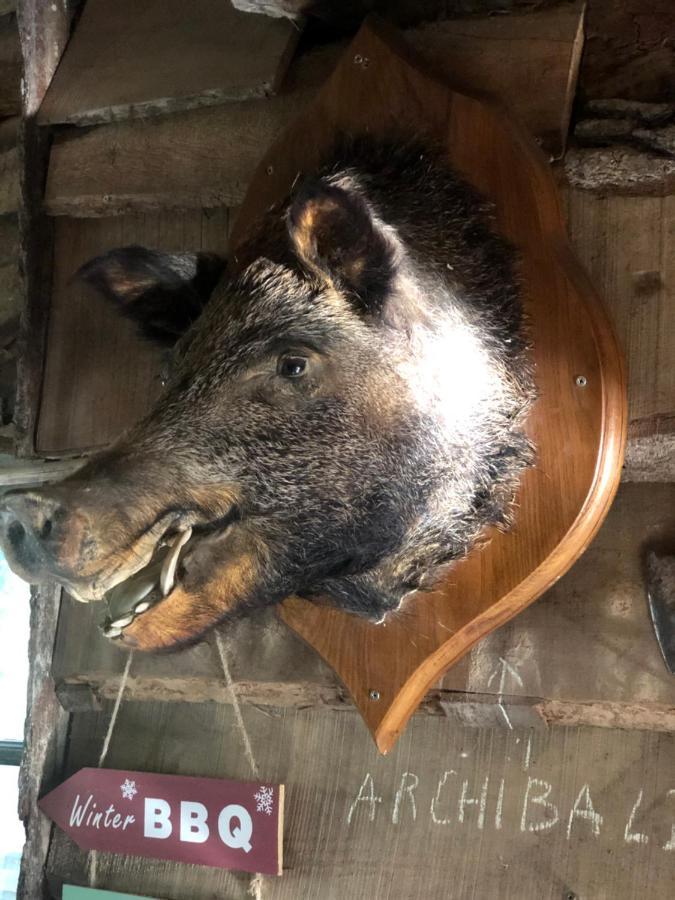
(335,236)
(162,292)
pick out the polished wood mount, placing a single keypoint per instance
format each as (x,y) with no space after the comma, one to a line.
(579,421)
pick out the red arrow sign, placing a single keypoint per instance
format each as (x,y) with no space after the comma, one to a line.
(228,824)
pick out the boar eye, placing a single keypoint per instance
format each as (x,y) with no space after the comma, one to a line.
(291,366)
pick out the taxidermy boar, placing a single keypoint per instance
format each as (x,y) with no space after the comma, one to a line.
(343,414)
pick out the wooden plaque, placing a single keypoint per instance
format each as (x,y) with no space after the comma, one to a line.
(578,423)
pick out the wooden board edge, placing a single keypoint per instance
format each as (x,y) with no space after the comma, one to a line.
(572,80)
(36,250)
(44,31)
(160,106)
(155,108)
(635,716)
(45,740)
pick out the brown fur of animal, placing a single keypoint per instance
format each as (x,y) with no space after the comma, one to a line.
(343,416)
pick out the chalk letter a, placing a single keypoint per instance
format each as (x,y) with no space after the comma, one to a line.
(362,797)
(588,812)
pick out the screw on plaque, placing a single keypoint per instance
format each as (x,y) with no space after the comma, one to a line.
(374,695)
(581,381)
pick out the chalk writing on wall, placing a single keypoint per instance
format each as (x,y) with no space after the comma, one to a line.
(450,800)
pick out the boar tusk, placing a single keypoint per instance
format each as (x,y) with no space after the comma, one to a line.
(168,573)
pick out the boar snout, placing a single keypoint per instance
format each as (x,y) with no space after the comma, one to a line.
(35,529)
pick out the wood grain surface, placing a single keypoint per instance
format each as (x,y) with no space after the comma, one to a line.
(129,59)
(45,739)
(10,67)
(638,279)
(206,157)
(9,181)
(98,377)
(579,431)
(528,62)
(44,29)
(412,825)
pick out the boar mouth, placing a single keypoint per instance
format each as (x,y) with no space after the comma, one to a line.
(155,581)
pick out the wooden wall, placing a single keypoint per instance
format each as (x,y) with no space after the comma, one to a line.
(568,810)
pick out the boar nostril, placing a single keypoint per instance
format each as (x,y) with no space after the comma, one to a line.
(16,533)
(46,530)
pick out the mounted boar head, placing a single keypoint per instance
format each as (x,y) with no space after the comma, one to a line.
(342,415)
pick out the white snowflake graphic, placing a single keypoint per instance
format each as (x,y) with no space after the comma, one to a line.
(129,789)
(264,799)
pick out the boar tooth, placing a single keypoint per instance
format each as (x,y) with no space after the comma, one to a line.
(112,632)
(126,593)
(168,573)
(123,621)
(142,607)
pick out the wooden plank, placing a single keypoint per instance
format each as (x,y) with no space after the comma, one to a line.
(628,246)
(347,17)
(633,148)
(629,50)
(651,457)
(292,9)
(207,157)
(666,328)
(128,59)
(18,473)
(9,132)
(10,67)
(44,29)
(199,159)
(585,653)
(485,55)
(285,673)
(44,742)
(9,240)
(620,170)
(9,182)
(453,812)
(10,291)
(116,377)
